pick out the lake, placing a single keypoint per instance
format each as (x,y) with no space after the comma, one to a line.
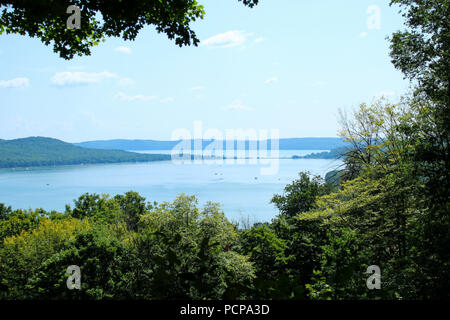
(240,188)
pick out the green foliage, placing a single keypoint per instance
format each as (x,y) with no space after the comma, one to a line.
(267,252)
(96,207)
(22,254)
(422,52)
(304,240)
(300,195)
(102,260)
(30,152)
(4,211)
(184,254)
(319,289)
(334,178)
(46,20)
(14,222)
(335,153)
(132,206)
(380,217)
(287,251)
(125,248)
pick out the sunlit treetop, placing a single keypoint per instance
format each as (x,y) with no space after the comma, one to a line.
(47,20)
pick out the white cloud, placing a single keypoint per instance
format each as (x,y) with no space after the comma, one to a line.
(15,83)
(227,39)
(138,97)
(238,105)
(126,81)
(123,49)
(363,34)
(271,80)
(80,78)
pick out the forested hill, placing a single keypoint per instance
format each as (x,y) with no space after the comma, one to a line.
(337,153)
(39,151)
(284,144)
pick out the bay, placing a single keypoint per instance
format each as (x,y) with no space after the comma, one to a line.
(242,191)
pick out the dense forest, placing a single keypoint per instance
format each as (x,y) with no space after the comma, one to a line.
(388,207)
(38,151)
(336,153)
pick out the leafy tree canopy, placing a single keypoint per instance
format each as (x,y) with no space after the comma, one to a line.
(46,20)
(301,194)
(422,52)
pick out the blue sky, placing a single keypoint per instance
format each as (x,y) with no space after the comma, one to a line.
(286,64)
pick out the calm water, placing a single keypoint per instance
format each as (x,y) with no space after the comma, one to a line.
(240,189)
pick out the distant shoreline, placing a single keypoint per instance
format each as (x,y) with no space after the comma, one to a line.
(79,165)
(283,144)
(25,168)
(47,152)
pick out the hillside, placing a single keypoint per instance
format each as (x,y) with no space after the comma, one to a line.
(39,151)
(285,144)
(337,153)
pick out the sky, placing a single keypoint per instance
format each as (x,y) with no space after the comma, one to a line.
(288,65)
